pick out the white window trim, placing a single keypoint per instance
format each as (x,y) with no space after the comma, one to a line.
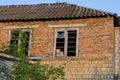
(65,47)
(10,31)
(19,27)
(68,25)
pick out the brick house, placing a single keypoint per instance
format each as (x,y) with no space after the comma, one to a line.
(87,40)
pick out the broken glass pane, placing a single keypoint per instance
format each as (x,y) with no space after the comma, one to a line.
(60,34)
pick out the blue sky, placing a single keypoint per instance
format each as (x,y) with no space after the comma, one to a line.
(105,5)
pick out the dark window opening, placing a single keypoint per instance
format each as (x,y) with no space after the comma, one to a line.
(25,42)
(66,43)
(14,42)
(19,39)
(60,40)
(14,37)
(71,50)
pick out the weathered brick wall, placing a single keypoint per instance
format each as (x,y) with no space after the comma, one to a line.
(3,36)
(86,69)
(96,47)
(117,52)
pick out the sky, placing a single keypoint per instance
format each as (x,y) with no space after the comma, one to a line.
(104,5)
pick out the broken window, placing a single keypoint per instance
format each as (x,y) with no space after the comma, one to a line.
(66,41)
(60,41)
(19,38)
(71,49)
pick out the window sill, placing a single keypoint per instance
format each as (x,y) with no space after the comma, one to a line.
(35,58)
(66,58)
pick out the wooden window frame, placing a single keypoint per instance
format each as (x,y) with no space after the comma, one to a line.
(66,41)
(10,35)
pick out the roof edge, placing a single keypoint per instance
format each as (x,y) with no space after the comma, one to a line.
(17,5)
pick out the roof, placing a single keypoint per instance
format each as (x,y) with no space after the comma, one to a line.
(6,56)
(48,12)
(6,60)
(9,57)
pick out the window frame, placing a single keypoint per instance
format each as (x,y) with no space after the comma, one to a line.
(29,30)
(66,41)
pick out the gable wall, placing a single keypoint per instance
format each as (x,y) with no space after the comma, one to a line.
(117,51)
(96,46)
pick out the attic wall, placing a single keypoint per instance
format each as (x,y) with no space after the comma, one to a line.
(96,47)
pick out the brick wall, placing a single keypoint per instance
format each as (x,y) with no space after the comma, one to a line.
(117,52)
(96,46)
